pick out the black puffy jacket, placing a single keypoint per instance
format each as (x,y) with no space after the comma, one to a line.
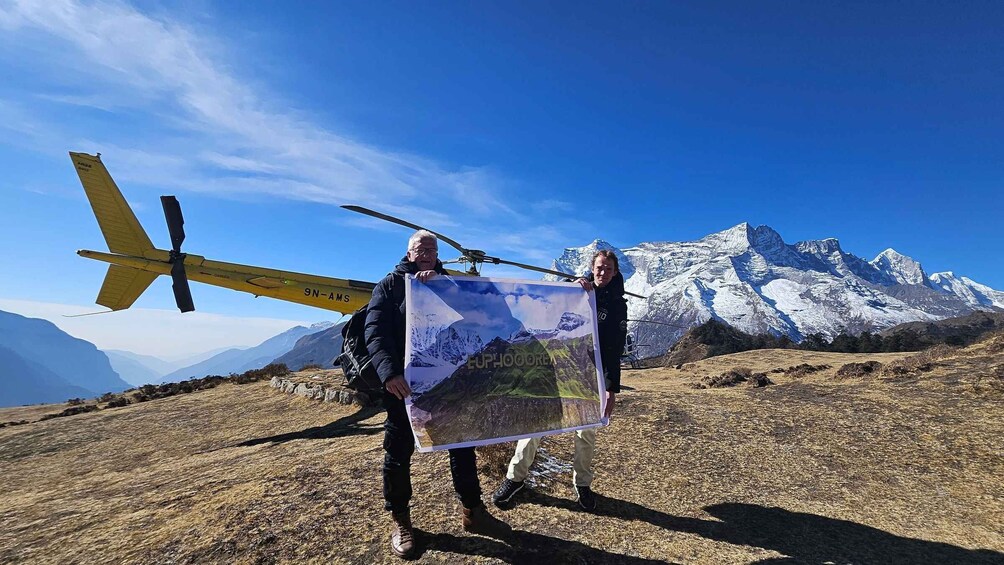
(611,319)
(385,320)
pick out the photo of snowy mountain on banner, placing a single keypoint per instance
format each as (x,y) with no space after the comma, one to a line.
(493,360)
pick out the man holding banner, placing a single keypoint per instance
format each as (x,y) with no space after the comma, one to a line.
(611,316)
(385,341)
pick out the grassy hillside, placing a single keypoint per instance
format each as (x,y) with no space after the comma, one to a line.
(891,467)
(494,395)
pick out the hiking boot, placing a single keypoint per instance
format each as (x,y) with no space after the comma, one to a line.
(477,520)
(587,500)
(402,539)
(506,491)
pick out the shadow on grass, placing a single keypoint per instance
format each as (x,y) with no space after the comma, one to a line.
(518,546)
(804,538)
(350,425)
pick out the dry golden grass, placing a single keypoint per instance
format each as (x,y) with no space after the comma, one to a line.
(34,412)
(813,469)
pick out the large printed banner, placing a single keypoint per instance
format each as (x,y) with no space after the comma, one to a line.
(493,360)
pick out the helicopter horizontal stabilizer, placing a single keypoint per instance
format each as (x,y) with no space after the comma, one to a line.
(122,286)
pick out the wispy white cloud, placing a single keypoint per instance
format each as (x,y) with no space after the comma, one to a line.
(17,120)
(551,204)
(218,133)
(95,101)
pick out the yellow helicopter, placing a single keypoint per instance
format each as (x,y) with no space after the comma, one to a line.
(136,262)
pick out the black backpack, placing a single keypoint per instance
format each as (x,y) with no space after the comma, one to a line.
(360,374)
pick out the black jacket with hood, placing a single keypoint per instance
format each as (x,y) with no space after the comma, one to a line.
(611,319)
(385,320)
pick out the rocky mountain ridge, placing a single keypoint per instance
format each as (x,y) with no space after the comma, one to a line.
(750,278)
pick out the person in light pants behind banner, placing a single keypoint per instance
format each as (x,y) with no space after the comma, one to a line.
(611,318)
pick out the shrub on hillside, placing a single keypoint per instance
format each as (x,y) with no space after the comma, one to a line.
(153,392)
(117,402)
(75,401)
(265,373)
(920,363)
(737,376)
(71,412)
(17,423)
(851,370)
(797,371)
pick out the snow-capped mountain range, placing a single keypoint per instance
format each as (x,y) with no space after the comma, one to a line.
(442,346)
(750,278)
(439,346)
(571,325)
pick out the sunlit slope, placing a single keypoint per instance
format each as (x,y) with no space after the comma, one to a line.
(815,468)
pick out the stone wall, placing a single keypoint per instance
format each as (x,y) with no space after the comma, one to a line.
(323,391)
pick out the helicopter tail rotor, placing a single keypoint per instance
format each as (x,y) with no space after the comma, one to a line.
(176,227)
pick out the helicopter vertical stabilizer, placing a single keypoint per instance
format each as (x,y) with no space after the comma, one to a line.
(123,233)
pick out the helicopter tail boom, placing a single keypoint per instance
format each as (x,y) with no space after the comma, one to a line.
(136,263)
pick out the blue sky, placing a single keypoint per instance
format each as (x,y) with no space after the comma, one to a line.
(515,127)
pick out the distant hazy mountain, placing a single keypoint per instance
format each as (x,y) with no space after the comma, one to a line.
(134,371)
(240,360)
(155,364)
(41,363)
(319,348)
(751,279)
(26,382)
(177,362)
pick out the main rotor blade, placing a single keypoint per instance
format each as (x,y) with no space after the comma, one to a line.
(175,221)
(182,293)
(467,253)
(404,223)
(496,261)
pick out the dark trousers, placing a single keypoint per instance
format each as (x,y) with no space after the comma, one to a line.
(399,445)
(611,368)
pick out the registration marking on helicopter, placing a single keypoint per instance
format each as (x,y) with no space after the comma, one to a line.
(315,293)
